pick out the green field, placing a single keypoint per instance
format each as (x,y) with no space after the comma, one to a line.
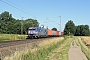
(10,37)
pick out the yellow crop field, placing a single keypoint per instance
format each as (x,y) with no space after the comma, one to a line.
(84,42)
(86,39)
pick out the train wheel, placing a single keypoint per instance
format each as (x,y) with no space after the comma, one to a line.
(37,37)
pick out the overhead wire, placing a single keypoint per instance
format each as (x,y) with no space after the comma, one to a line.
(21,8)
(17,8)
(51,20)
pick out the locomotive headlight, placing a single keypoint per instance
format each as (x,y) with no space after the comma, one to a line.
(28,32)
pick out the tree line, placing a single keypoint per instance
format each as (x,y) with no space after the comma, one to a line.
(10,25)
(80,30)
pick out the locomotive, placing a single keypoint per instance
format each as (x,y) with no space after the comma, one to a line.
(39,32)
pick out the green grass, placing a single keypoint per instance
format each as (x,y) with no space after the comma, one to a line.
(59,48)
(77,41)
(65,49)
(73,43)
(7,37)
(43,52)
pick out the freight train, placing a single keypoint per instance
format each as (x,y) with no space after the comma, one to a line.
(39,32)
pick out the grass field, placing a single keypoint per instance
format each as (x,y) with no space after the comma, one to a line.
(84,42)
(54,49)
(7,37)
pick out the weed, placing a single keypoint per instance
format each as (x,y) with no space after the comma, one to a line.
(43,50)
(73,43)
(84,48)
(5,37)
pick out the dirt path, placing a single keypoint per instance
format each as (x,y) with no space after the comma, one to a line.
(75,52)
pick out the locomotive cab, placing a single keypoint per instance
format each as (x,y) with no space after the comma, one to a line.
(33,32)
(37,32)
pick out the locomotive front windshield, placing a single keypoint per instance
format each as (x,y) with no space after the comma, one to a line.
(31,29)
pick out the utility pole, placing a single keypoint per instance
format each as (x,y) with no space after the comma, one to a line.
(22,25)
(60,25)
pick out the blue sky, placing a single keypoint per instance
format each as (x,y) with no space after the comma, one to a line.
(76,10)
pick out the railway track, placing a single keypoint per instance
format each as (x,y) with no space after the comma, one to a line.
(18,42)
(8,48)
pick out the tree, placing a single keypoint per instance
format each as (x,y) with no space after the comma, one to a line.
(86,30)
(9,25)
(54,29)
(5,16)
(82,30)
(29,23)
(77,33)
(69,28)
